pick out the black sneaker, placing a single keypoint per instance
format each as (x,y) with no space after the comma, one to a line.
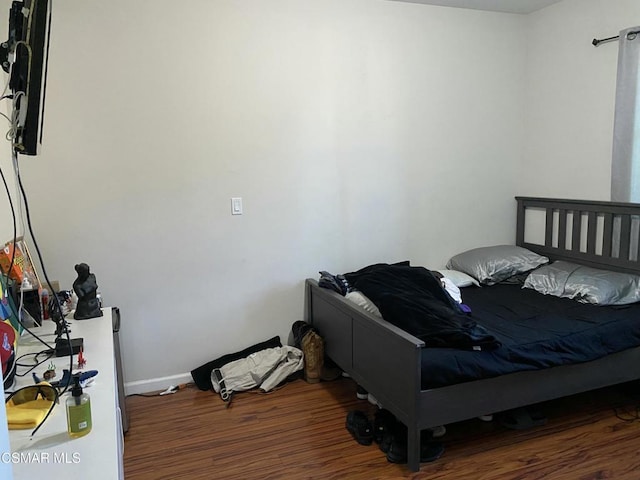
(394,444)
(383,422)
(430,451)
(359,427)
(397,450)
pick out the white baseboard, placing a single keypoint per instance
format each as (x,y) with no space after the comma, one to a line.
(156,384)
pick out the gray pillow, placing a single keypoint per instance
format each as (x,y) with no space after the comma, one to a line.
(490,265)
(551,279)
(585,284)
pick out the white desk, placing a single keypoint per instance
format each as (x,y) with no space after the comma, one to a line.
(51,453)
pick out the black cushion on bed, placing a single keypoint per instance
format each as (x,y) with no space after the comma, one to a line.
(413,299)
(536,331)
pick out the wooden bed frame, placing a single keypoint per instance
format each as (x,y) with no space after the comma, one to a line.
(386,361)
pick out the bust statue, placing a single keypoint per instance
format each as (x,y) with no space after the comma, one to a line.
(86,288)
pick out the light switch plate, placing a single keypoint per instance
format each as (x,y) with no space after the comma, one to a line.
(236,206)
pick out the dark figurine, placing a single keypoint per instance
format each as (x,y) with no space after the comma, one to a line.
(86,289)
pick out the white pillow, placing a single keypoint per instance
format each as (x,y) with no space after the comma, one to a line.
(459,279)
(361,299)
(452,289)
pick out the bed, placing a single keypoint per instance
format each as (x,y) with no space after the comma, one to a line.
(387,361)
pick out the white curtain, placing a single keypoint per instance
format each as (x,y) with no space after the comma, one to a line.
(625,171)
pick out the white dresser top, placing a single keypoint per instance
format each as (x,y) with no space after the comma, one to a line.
(51,453)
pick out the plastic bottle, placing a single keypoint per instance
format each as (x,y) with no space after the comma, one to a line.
(45,303)
(78,411)
(26,284)
(74,300)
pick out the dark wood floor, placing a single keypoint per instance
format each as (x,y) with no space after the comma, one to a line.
(299,432)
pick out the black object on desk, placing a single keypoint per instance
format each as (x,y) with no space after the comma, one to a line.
(86,289)
(62,346)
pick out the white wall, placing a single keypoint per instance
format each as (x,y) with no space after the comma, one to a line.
(571,97)
(356,131)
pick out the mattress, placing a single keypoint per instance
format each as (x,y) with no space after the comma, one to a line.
(535,331)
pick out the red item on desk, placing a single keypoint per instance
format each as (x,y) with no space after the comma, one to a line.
(81,360)
(7,351)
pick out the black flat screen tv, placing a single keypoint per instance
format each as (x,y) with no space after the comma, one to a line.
(24,56)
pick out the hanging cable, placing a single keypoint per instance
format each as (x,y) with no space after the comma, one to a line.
(15,232)
(56,303)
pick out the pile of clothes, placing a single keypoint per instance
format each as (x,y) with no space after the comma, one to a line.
(417,301)
(267,365)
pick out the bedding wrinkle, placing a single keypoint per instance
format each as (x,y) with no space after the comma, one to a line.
(535,331)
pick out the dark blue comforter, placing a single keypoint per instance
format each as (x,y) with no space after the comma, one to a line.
(535,331)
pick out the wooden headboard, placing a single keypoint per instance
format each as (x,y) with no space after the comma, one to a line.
(594,233)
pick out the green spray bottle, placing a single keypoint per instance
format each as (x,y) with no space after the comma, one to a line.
(78,411)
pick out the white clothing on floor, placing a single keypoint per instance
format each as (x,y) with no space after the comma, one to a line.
(265,369)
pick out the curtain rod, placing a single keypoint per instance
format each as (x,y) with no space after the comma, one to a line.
(630,36)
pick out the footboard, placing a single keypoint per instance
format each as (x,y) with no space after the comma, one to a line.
(379,356)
